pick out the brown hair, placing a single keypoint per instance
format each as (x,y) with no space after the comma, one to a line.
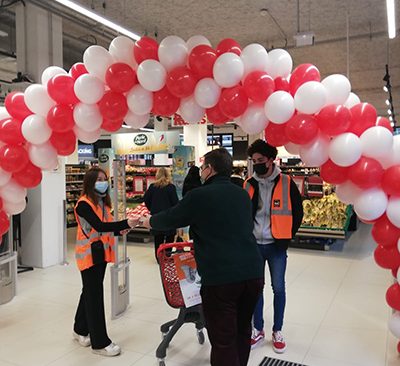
(163,177)
(89,182)
(220,160)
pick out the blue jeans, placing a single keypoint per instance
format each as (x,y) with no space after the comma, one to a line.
(277,259)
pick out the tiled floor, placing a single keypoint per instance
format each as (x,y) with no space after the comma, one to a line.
(336,314)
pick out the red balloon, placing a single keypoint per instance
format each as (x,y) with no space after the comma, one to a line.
(388,258)
(1,203)
(385,233)
(145,48)
(181,82)
(64,143)
(4,223)
(301,74)
(228,45)
(215,116)
(61,118)
(113,106)
(366,173)
(77,70)
(10,131)
(30,177)
(111,126)
(398,347)
(384,122)
(164,103)
(393,296)
(333,119)
(201,61)
(301,129)
(233,101)
(332,173)
(391,180)
(13,158)
(281,84)
(61,89)
(120,77)
(16,107)
(363,116)
(394,271)
(258,86)
(275,134)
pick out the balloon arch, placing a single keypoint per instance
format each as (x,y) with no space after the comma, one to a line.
(322,121)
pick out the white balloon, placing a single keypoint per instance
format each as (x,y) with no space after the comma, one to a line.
(370,204)
(207,93)
(172,52)
(190,111)
(87,117)
(35,129)
(97,60)
(50,72)
(310,97)
(352,100)
(140,100)
(4,177)
(377,142)
(394,322)
(255,58)
(37,99)
(43,156)
(253,120)
(347,192)
(279,107)
(393,158)
(151,75)
(13,192)
(14,208)
(89,89)
(136,121)
(228,70)
(280,63)
(393,211)
(292,148)
(337,87)
(345,149)
(85,136)
(315,153)
(197,40)
(3,113)
(121,48)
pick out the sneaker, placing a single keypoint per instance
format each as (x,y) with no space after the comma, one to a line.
(84,341)
(278,342)
(256,337)
(111,350)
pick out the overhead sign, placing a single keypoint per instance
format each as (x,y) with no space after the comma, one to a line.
(85,151)
(178,121)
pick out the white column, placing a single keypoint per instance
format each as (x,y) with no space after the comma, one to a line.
(160,159)
(196,135)
(39,45)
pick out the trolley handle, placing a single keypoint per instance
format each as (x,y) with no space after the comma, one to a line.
(178,246)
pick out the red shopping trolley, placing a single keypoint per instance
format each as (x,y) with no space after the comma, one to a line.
(174,297)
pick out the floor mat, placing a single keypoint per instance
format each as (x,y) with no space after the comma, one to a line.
(268,361)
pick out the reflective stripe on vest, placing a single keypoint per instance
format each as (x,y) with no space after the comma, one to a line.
(249,188)
(281,209)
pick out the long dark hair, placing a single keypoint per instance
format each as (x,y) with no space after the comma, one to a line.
(89,182)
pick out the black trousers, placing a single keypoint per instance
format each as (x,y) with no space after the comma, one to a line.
(161,238)
(228,310)
(90,318)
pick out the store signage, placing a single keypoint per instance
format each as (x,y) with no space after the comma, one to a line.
(85,151)
(178,121)
(103,158)
(140,139)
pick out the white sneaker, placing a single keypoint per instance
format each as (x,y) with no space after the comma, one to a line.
(84,341)
(111,350)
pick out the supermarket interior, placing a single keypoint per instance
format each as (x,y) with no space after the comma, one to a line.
(132,87)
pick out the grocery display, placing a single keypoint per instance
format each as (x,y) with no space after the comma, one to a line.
(73,186)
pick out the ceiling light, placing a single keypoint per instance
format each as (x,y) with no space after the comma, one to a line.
(3,34)
(304,39)
(146,129)
(390,118)
(392,124)
(387,102)
(391,18)
(385,88)
(98,18)
(389,111)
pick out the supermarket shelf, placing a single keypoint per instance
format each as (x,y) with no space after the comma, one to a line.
(75,173)
(71,224)
(74,181)
(321,233)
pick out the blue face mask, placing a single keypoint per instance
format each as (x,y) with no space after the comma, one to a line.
(101,187)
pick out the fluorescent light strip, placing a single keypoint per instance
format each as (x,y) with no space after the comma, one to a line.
(98,18)
(146,129)
(391,18)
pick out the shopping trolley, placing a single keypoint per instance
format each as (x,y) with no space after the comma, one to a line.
(173,295)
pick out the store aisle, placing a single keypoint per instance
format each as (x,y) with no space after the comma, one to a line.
(336,314)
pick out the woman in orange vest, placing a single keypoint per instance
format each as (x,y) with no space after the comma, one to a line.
(93,250)
(277,214)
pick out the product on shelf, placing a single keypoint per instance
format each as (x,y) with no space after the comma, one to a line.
(73,186)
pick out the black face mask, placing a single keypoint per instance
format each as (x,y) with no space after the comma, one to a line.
(261,168)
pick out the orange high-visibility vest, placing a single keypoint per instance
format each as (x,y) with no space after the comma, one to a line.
(83,252)
(281,207)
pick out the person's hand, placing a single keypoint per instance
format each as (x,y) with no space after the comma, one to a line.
(145,221)
(124,232)
(133,221)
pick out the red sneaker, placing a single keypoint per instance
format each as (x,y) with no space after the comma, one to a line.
(278,342)
(256,337)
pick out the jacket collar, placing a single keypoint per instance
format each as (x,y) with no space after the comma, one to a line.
(216,178)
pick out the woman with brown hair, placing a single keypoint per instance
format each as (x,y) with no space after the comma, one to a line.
(160,196)
(93,250)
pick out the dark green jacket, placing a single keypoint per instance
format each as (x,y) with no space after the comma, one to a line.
(220,217)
